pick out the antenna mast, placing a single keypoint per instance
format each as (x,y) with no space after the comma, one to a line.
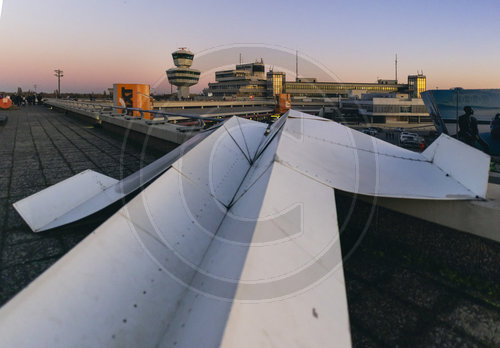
(396,67)
(296,66)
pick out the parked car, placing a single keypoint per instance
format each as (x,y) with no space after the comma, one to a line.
(409,139)
(409,133)
(369,131)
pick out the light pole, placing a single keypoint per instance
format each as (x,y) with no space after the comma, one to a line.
(58,74)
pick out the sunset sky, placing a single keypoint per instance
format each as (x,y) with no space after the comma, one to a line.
(101,42)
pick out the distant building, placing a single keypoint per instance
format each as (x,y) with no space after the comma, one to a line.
(309,87)
(247,80)
(306,80)
(380,108)
(387,82)
(250,80)
(416,85)
(276,82)
(183,76)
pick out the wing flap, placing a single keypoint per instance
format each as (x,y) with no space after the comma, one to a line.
(44,207)
(464,163)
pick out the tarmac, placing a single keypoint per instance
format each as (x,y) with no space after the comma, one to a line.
(409,282)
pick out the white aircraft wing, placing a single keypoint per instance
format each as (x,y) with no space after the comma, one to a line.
(88,192)
(237,244)
(355,162)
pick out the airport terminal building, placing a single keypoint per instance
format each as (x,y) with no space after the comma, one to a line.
(251,81)
(246,80)
(384,101)
(380,108)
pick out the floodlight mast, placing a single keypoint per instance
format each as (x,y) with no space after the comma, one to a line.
(58,74)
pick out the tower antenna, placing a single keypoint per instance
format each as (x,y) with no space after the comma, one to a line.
(296,66)
(396,67)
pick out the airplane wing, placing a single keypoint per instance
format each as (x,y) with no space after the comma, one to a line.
(237,244)
(88,192)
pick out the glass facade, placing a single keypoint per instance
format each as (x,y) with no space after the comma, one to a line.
(182,55)
(416,85)
(173,77)
(443,105)
(258,68)
(187,72)
(275,83)
(325,86)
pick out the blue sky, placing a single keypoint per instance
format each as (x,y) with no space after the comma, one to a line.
(98,43)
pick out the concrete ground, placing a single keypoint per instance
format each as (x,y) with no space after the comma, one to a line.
(39,148)
(409,282)
(414,283)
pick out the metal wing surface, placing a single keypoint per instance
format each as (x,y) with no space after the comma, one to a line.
(89,192)
(351,161)
(237,244)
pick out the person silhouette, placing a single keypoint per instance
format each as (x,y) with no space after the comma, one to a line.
(467,130)
(495,127)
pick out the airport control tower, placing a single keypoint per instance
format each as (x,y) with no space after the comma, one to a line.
(183,76)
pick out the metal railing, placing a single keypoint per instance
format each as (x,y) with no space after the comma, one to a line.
(165,114)
(127,112)
(78,105)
